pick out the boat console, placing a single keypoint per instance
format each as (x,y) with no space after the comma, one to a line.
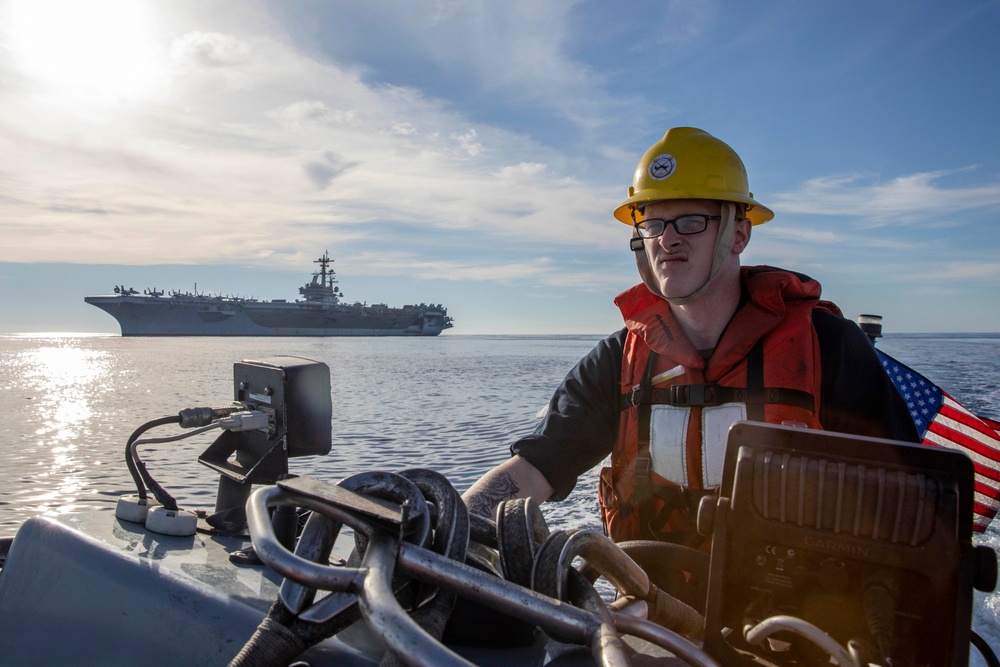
(820,536)
(294,395)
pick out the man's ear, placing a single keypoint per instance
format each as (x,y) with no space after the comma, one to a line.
(741,235)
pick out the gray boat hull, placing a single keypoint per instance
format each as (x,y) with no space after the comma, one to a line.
(170,316)
(91,589)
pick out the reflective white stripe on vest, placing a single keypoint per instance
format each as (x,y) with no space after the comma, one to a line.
(715,423)
(668,434)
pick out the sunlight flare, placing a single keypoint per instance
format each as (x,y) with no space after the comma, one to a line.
(102,47)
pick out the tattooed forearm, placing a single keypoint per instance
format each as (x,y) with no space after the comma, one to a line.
(488,493)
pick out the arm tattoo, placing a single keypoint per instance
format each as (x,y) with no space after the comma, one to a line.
(497,488)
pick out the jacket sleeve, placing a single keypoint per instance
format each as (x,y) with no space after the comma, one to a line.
(581,422)
(857,396)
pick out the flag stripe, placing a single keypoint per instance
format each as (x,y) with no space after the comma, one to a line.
(943,436)
(949,430)
(942,421)
(988,481)
(973,424)
(987,492)
(984,515)
(987,486)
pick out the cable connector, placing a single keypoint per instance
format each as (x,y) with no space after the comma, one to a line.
(133,508)
(195,417)
(177,522)
(253,420)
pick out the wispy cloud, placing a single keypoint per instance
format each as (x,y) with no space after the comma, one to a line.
(198,50)
(904,198)
(489,141)
(539,271)
(964,270)
(253,137)
(311,112)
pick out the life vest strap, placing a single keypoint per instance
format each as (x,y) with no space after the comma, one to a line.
(644,457)
(699,395)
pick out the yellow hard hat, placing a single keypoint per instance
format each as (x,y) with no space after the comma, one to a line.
(688,163)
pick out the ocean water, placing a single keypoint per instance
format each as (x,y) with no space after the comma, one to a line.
(452,403)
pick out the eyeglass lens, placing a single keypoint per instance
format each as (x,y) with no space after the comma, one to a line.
(686,224)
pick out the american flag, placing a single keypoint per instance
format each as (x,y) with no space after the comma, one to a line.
(942,421)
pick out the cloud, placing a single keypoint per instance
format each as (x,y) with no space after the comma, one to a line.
(290,150)
(685,21)
(964,270)
(903,199)
(800,234)
(323,172)
(410,264)
(311,112)
(209,50)
(503,56)
(521,170)
(469,144)
(540,271)
(402,129)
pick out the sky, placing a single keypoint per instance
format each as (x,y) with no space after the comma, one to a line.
(470,153)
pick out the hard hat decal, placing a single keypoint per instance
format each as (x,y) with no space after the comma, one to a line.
(662,167)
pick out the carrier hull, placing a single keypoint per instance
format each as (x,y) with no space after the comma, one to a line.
(171,316)
(320,313)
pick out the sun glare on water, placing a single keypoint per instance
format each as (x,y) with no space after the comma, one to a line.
(101,47)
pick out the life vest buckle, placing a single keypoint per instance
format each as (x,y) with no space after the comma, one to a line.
(643,465)
(686,395)
(635,397)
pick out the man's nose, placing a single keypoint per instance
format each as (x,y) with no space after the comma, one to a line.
(669,237)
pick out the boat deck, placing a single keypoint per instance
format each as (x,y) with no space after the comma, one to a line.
(90,588)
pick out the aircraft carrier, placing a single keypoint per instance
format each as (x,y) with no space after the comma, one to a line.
(320,312)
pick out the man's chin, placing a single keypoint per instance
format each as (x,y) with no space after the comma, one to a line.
(673,292)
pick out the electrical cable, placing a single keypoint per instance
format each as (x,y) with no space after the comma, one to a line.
(985,650)
(179,436)
(201,419)
(135,468)
(161,494)
(758,633)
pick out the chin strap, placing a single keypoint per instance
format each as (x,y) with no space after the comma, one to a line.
(723,246)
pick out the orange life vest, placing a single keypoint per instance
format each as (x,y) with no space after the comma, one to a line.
(677,407)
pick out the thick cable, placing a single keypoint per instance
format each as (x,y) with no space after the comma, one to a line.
(136,468)
(272,643)
(175,438)
(5,545)
(984,650)
(396,488)
(433,607)
(483,531)
(760,632)
(615,565)
(376,599)
(314,544)
(187,418)
(664,638)
(520,529)
(676,569)
(161,494)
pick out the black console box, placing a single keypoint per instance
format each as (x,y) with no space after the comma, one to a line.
(839,530)
(295,394)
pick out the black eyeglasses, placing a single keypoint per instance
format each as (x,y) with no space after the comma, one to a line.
(651,228)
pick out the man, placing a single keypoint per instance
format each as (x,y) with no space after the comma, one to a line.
(706,343)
